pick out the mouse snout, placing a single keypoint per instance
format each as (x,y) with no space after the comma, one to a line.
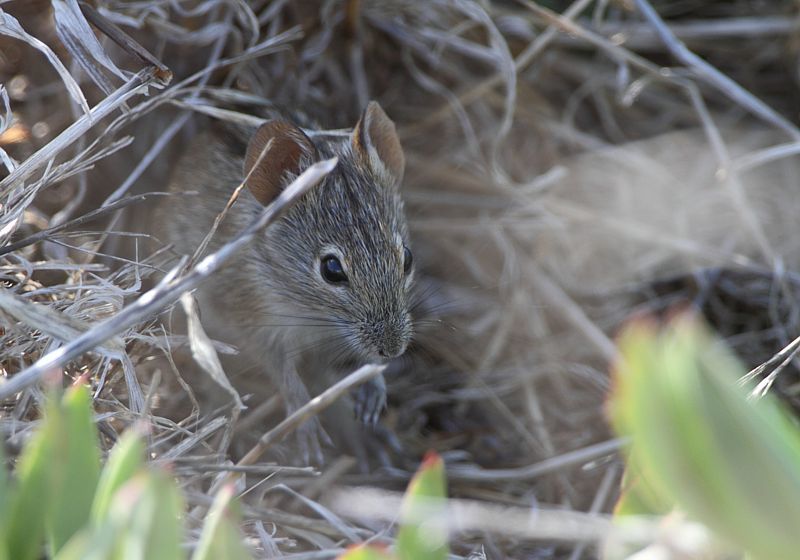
(389,339)
(392,349)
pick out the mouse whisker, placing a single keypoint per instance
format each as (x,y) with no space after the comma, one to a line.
(318,344)
(309,325)
(316,318)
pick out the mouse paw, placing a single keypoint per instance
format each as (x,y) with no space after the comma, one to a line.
(375,447)
(311,436)
(370,400)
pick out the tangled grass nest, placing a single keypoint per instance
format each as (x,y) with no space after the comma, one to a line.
(568,164)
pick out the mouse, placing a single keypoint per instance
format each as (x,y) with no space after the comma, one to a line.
(330,282)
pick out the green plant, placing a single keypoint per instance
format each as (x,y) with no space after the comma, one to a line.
(60,502)
(699,444)
(423,519)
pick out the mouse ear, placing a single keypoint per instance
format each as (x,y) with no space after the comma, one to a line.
(289,145)
(376,145)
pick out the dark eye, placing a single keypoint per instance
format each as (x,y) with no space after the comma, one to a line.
(331,269)
(408,259)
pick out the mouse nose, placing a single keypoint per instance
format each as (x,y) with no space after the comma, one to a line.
(391,351)
(390,339)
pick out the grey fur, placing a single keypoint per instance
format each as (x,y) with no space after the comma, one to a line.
(272,301)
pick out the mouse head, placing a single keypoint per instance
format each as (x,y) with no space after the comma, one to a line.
(340,258)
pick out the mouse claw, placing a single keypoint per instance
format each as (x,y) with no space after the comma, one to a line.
(390,439)
(369,401)
(376,446)
(311,436)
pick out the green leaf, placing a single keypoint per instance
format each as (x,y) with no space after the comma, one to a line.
(638,497)
(136,513)
(730,463)
(26,523)
(5,498)
(141,522)
(147,509)
(5,502)
(125,460)
(366,552)
(640,493)
(106,533)
(221,538)
(57,474)
(95,543)
(75,470)
(423,520)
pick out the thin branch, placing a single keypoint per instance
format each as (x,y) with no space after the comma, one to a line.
(309,410)
(541,468)
(460,516)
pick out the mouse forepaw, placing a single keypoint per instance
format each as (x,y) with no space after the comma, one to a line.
(311,437)
(369,401)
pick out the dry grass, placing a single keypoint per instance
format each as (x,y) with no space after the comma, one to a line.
(569,163)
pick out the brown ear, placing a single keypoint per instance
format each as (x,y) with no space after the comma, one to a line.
(288,146)
(376,144)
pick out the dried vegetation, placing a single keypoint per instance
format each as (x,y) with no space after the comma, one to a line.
(569,163)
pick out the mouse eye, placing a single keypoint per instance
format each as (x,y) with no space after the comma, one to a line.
(331,269)
(408,259)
